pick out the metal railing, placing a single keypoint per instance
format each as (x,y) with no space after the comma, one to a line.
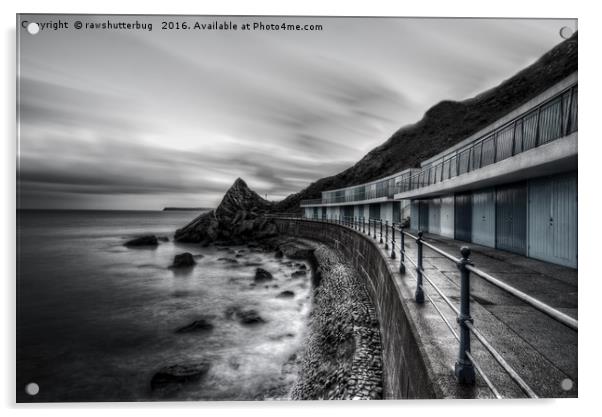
(393,237)
(548,121)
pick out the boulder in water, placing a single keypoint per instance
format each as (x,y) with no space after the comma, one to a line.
(299,274)
(261,275)
(247,317)
(286,294)
(195,326)
(183,260)
(179,374)
(148,240)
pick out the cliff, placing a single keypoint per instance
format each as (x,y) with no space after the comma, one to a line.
(446,124)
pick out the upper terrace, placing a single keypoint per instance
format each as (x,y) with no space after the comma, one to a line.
(503,151)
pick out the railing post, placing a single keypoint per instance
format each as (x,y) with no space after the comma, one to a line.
(374,229)
(363,225)
(419,292)
(381,230)
(393,241)
(386,234)
(402,249)
(464,369)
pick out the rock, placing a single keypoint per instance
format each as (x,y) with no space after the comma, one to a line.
(238,218)
(183,260)
(179,374)
(295,249)
(286,294)
(302,267)
(247,317)
(148,240)
(250,317)
(298,274)
(195,326)
(261,275)
(278,254)
(163,239)
(228,260)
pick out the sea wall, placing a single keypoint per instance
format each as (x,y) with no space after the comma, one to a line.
(406,373)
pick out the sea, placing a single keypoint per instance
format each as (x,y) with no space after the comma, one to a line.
(96,320)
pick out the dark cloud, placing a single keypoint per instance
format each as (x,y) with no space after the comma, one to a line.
(144,120)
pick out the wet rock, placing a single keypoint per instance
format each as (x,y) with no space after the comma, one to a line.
(296,249)
(250,317)
(179,374)
(228,260)
(183,260)
(195,326)
(163,239)
(299,274)
(238,218)
(247,317)
(286,294)
(148,240)
(279,254)
(261,275)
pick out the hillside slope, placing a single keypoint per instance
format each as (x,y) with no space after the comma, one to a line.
(446,124)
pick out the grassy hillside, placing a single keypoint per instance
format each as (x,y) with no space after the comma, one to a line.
(446,124)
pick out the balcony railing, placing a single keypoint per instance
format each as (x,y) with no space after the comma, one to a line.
(550,120)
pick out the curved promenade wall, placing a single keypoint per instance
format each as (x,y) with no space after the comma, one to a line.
(406,370)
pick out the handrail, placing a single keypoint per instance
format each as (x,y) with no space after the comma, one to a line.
(466,362)
(533,302)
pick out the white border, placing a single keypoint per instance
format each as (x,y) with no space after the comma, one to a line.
(589,203)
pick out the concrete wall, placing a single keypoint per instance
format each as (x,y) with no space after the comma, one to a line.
(405,370)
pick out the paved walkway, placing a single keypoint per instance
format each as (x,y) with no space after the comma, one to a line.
(541,350)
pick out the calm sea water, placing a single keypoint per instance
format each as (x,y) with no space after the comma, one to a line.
(96,320)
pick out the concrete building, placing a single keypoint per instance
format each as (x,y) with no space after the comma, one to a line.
(511,186)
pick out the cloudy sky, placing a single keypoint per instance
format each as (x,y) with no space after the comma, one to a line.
(124,119)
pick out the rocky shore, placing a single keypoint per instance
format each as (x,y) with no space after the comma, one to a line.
(342,358)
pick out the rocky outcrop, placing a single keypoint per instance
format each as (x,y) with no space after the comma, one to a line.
(239,218)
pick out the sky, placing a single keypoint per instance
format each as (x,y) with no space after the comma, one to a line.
(143,119)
